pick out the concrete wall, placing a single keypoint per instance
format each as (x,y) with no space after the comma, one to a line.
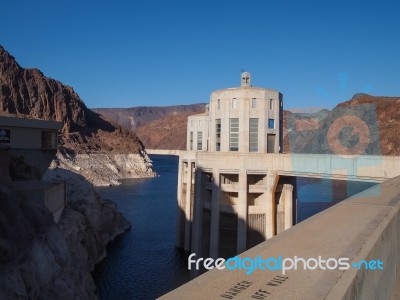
(362,167)
(185,199)
(55,199)
(25,138)
(4,164)
(163,152)
(30,123)
(232,198)
(196,124)
(245,198)
(30,163)
(50,195)
(27,133)
(363,227)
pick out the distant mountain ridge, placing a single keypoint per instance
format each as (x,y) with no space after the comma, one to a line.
(135,117)
(158,128)
(168,132)
(161,127)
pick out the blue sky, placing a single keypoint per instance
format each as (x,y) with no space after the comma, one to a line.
(135,53)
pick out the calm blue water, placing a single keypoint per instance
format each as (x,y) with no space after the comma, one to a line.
(143,263)
(316,195)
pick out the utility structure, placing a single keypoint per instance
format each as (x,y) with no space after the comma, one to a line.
(32,144)
(228,198)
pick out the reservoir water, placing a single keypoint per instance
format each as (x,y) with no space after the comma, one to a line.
(143,263)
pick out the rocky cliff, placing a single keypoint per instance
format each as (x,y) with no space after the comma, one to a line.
(169,132)
(38,258)
(364,124)
(43,260)
(135,117)
(387,110)
(28,93)
(104,169)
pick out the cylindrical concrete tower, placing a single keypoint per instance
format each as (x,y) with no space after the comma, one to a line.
(245,119)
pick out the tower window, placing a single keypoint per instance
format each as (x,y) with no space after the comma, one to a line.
(271,103)
(218,135)
(199,140)
(234,134)
(271,123)
(49,139)
(253,103)
(253,135)
(234,103)
(191,140)
(219,104)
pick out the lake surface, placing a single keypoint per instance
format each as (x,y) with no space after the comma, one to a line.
(316,195)
(143,263)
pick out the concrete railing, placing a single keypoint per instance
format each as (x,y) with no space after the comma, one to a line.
(371,168)
(364,228)
(163,152)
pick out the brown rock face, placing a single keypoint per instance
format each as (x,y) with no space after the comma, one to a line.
(28,93)
(388,115)
(363,125)
(166,133)
(43,260)
(162,127)
(135,117)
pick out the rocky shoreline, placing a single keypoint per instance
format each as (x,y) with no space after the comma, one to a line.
(41,259)
(105,169)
